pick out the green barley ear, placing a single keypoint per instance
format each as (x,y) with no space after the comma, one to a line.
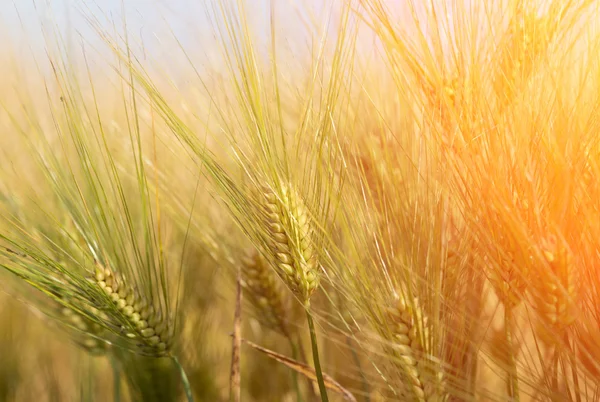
(110,264)
(140,318)
(289,235)
(297,160)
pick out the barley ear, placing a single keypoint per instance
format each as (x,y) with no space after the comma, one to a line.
(263,291)
(289,237)
(410,329)
(556,291)
(139,318)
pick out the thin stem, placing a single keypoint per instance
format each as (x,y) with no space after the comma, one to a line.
(568,392)
(315,349)
(294,373)
(575,381)
(576,385)
(555,361)
(87,389)
(235,377)
(312,395)
(184,379)
(512,383)
(473,310)
(116,379)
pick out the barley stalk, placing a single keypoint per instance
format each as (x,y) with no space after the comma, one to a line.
(509,286)
(512,382)
(235,378)
(316,359)
(290,248)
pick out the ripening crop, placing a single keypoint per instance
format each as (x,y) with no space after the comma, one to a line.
(337,200)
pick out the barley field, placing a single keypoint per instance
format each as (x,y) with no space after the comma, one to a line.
(300,200)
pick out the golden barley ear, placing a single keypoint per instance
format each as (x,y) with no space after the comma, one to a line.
(555,293)
(410,330)
(264,292)
(289,240)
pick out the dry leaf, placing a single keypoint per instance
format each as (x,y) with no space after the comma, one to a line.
(305,370)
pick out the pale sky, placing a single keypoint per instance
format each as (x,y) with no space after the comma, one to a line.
(154,21)
(21,19)
(147,17)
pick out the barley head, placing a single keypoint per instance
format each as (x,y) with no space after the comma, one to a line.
(263,290)
(289,232)
(410,329)
(555,292)
(139,319)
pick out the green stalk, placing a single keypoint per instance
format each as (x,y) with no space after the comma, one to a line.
(294,373)
(184,379)
(315,349)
